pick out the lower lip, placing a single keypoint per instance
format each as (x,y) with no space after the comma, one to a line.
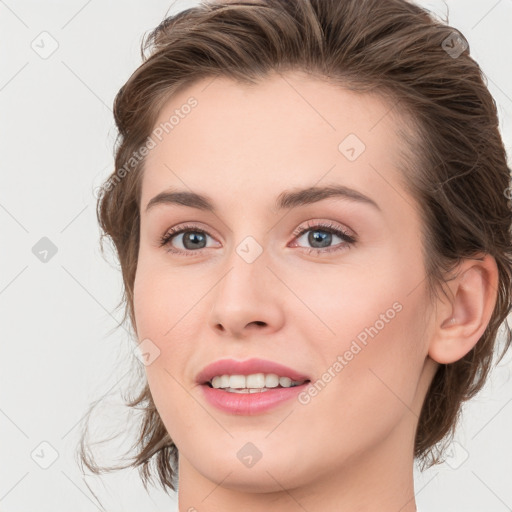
(250,403)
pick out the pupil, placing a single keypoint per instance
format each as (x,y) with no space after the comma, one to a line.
(319,237)
(191,239)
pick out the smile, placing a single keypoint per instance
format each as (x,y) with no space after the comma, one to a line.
(254,383)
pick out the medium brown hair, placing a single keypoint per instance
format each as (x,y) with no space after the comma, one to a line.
(459,176)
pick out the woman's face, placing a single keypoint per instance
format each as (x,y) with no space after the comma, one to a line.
(342,305)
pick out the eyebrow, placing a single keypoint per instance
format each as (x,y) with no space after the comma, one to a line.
(286,200)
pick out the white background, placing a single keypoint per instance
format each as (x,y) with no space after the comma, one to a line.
(59,349)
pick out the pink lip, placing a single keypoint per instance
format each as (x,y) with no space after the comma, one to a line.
(248,403)
(248,367)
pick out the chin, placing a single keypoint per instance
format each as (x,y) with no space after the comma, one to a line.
(251,480)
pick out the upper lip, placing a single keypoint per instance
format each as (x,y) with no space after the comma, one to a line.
(247,367)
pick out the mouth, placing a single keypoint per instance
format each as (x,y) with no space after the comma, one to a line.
(253,383)
(249,374)
(250,387)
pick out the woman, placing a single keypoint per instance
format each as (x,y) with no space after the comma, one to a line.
(310,210)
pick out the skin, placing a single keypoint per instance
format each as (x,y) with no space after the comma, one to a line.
(349,448)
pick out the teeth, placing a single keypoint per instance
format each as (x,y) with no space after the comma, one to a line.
(253,383)
(285,382)
(217,382)
(271,380)
(256,380)
(255,390)
(237,381)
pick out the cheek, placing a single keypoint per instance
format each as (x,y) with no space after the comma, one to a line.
(373,367)
(166,312)
(160,306)
(373,343)
(163,301)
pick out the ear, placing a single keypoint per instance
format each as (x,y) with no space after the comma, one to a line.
(462,319)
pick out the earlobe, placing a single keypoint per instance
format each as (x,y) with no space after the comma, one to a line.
(462,320)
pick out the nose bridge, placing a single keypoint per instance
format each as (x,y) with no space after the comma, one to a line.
(245,271)
(242,296)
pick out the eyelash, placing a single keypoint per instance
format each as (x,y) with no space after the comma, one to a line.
(328,227)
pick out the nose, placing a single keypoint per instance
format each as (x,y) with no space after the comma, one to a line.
(246,299)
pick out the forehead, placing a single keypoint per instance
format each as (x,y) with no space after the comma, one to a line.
(288,130)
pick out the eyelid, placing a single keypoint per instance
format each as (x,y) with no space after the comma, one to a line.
(348,236)
(330,226)
(177,230)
